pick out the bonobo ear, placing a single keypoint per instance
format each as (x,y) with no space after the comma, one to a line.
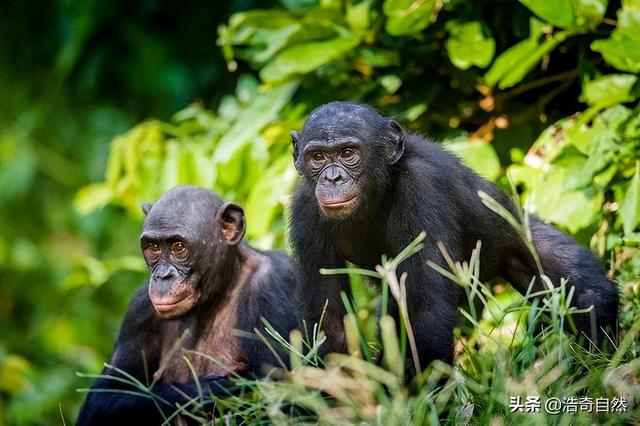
(396,149)
(294,141)
(146,207)
(230,218)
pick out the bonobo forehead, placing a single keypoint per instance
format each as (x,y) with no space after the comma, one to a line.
(188,211)
(341,119)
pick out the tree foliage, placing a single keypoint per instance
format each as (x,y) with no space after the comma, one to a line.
(543,94)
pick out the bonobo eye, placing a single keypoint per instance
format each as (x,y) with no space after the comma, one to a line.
(152,250)
(349,157)
(178,250)
(317,160)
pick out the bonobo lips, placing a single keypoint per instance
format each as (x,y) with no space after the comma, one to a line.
(166,306)
(336,204)
(169,307)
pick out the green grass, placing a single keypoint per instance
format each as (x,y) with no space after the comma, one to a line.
(508,346)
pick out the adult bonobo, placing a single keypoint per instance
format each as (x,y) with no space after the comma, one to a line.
(205,284)
(369,188)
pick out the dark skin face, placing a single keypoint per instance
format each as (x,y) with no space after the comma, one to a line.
(179,233)
(335,157)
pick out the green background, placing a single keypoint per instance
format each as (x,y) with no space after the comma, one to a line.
(104,105)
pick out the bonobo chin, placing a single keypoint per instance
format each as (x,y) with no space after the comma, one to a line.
(368,187)
(206,287)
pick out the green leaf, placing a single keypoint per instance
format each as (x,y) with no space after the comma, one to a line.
(478,155)
(263,110)
(405,17)
(610,89)
(559,13)
(304,58)
(630,205)
(591,11)
(509,59)
(573,210)
(267,196)
(92,197)
(528,62)
(358,15)
(469,45)
(264,32)
(621,50)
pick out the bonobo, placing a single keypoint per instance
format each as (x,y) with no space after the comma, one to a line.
(368,188)
(205,284)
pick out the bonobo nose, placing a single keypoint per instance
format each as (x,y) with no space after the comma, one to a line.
(163,272)
(334,174)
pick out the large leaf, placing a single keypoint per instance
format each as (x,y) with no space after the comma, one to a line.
(509,59)
(526,63)
(592,11)
(621,50)
(405,17)
(559,13)
(610,89)
(630,204)
(263,110)
(573,209)
(303,58)
(470,43)
(267,197)
(478,155)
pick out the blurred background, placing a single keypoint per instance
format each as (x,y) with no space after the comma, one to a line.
(104,105)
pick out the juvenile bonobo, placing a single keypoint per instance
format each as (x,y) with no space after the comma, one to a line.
(205,284)
(368,188)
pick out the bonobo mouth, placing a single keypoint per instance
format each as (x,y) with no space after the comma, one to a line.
(336,204)
(171,307)
(338,208)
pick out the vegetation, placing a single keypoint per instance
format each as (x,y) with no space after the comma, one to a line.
(542,94)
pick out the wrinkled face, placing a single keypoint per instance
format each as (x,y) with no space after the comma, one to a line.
(344,150)
(184,241)
(336,166)
(173,283)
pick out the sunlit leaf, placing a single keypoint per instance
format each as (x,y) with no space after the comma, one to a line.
(610,89)
(630,204)
(267,196)
(592,11)
(406,17)
(358,14)
(260,113)
(470,43)
(560,13)
(620,50)
(509,59)
(92,197)
(304,58)
(478,155)
(571,209)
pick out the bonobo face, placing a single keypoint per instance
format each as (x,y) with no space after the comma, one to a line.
(344,150)
(183,242)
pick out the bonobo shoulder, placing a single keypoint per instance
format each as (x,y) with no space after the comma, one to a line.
(424,158)
(270,268)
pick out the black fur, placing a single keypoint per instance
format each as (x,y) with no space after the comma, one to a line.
(266,292)
(426,189)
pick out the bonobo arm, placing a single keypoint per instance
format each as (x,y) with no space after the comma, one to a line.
(313,293)
(137,351)
(431,300)
(119,408)
(314,250)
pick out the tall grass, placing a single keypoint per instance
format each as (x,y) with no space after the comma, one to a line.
(508,346)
